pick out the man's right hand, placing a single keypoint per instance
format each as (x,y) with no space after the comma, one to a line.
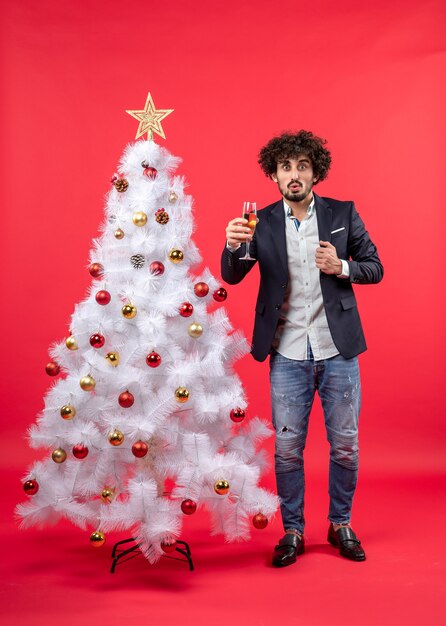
(237,232)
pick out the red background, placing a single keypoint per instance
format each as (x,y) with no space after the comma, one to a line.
(369,78)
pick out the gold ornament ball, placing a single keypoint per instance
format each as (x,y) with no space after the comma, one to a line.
(195,330)
(119,233)
(107,494)
(97,539)
(71,343)
(113,358)
(139,218)
(176,256)
(67,412)
(87,383)
(129,311)
(182,394)
(221,487)
(116,438)
(173,197)
(59,455)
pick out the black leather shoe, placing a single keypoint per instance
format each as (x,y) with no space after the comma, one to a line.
(288,548)
(349,545)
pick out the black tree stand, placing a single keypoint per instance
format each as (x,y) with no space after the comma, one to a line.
(121,555)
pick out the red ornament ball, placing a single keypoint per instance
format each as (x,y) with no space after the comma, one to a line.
(186,309)
(156,268)
(126,399)
(96,270)
(201,290)
(260,521)
(188,507)
(220,294)
(169,547)
(31,487)
(97,340)
(140,449)
(103,297)
(80,451)
(52,368)
(237,415)
(153,359)
(150,172)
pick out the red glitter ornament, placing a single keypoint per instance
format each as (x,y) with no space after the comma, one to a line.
(237,415)
(153,359)
(80,451)
(186,309)
(220,294)
(126,399)
(140,449)
(201,290)
(96,270)
(31,487)
(103,297)
(150,172)
(156,268)
(97,340)
(188,507)
(169,547)
(52,368)
(260,521)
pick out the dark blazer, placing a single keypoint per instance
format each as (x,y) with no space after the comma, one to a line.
(268,246)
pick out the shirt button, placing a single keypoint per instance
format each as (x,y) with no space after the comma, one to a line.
(277,307)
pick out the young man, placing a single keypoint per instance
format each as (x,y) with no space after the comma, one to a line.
(310,250)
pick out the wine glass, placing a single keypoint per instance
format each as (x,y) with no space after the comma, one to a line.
(250,214)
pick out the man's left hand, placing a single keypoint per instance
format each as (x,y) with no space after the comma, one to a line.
(327,259)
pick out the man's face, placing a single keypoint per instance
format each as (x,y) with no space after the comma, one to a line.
(295,178)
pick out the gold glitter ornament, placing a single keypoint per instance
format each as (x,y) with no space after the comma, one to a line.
(121,185)
(139,218)
(150,119)
(195,330)
(182,394)
(129,311)
(116,438)
(71,343)
(87,383)
(119,233)
(221,487)
(97,539)
(176,256)
(173,197)
(59,455)
(67,412)
(113,358)
(107,494)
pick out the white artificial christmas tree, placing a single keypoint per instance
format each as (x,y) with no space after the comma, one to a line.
(148,392)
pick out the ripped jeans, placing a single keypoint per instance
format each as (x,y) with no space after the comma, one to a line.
(293,385)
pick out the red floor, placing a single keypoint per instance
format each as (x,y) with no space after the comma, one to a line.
(54,576)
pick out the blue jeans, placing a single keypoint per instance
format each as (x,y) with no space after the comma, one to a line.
(293,385)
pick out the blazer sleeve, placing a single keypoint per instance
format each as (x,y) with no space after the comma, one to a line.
(365,264)
(233,270)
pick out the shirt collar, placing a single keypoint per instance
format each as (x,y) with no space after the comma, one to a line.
(288,212)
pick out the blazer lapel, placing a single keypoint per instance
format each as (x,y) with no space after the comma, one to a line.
(324,218)
(276,220)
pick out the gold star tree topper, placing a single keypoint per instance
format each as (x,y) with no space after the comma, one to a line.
(150,119)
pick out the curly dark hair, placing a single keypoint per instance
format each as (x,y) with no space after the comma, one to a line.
(289,145)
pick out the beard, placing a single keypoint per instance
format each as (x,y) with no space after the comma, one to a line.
(296,196)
